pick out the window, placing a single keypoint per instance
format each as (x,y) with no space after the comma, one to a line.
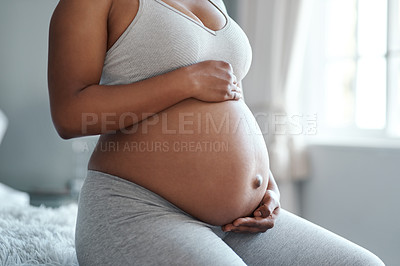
(357,54)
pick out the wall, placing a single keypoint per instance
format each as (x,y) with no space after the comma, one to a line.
(232,8)
(353,191)
(32,156)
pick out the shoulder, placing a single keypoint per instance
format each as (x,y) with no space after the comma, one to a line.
(83,7)
(77,15)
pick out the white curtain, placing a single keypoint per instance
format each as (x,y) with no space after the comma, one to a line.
(277,30)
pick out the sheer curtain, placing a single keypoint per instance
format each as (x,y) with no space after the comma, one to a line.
(277,30)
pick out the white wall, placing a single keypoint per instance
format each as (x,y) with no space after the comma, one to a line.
(354,192)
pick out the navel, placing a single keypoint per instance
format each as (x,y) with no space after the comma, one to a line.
(258,180)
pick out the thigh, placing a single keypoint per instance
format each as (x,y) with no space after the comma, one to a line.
(295,241)
(119,225)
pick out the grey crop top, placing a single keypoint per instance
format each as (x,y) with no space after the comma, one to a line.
(161,38)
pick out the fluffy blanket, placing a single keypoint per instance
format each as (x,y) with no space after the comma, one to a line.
(35,235)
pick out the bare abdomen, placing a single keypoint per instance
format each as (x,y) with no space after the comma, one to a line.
(209,159)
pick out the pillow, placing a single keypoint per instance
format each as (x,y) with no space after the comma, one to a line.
(3,125)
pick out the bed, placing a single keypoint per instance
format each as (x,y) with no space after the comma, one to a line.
(35,235)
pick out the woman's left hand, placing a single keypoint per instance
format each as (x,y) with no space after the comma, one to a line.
(264,216)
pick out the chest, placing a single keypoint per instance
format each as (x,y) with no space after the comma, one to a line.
(203,12)
(162,38)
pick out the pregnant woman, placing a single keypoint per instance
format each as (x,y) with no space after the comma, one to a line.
(180,174)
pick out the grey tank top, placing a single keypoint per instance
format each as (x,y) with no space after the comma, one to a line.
(161,38)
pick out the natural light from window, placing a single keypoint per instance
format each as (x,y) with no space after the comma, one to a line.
(394,69)
(356,66)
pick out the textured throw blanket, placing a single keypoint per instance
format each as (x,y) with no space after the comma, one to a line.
(35,235)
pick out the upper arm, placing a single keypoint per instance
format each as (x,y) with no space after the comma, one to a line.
(77,47)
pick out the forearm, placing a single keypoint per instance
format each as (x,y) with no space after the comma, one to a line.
(272,185)
(99,109)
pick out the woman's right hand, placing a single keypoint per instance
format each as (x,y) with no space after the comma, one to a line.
(213,81)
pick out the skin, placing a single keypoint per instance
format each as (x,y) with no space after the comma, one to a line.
(264,216)
(81,31)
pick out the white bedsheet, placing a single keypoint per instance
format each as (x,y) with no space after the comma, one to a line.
(35,235)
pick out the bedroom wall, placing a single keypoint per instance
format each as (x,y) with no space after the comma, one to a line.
(353,191)
(232,7)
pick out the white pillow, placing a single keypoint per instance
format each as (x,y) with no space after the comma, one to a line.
(12,197)
(3,125)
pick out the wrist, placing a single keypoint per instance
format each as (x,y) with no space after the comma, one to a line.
(190,85)
(175,83)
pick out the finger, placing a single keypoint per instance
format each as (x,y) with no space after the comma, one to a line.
(236,88)
(227,227)
(277,210)
(264,210)
(257,213)
(244,220)
(251,221)
(230,67)
(242,223)
(248,229)
(267,206)
(232,228)
(235,95)
(234,80)
(259,226)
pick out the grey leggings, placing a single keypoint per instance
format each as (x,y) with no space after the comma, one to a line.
(121,223)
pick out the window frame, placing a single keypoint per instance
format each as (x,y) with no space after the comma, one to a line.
(317,66)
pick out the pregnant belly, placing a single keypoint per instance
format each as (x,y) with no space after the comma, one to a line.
(209,159)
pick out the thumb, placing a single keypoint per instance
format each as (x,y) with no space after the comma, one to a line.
(263,211)
(257,213)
